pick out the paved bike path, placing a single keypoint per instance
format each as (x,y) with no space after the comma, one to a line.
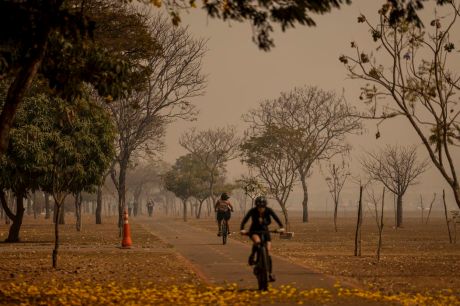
(220,264)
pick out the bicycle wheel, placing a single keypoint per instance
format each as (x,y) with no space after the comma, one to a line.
(224,232)
(262,268)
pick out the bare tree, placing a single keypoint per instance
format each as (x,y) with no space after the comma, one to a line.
(336,179)
(410,75)
(397,168)
(378,215)
(359,222)
(312,124)
(174,76)
(445,215)
(213,148)
(431,206)
(274,166)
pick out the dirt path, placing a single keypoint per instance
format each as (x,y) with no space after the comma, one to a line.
(220,264)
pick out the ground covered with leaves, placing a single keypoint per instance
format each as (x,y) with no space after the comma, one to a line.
(53,293)
(415,259)
(94,270)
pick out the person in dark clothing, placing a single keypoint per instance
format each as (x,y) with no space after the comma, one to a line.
(260,217)
(150,205)
(223,209)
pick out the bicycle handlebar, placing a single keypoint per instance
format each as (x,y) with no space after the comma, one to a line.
(277,231)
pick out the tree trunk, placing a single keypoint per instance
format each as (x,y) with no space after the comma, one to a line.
(358,223)
(47,206)
(11,204)
(34,204)
(192,208)
(137,200)
(380,225)
(303,180)
(78,211)
(122,194)
(56,237)
(456,190)
(99,205)
(29,206)
(6,209)
(399,211)
(198,216)
(336,209)
(184,204)
(21,84)
(285,214)
(15,228)
(211,189)
(55,216)
(209,206)
(166,207)
(61,215)
(445,214)
(135,208)
(431,207)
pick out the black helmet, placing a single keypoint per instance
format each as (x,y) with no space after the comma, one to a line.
(260,201)
(224,196)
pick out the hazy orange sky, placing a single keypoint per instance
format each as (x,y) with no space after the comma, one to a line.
(240,76)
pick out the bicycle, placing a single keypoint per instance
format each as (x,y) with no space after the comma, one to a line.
(224,231)
(262,264)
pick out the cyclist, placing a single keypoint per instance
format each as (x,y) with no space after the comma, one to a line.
(261,217)
(223,208)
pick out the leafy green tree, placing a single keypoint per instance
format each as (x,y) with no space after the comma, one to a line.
(53,40)
(26,159)
(187,179)
(80,149)
(261,14)
(56,146)
(200,187)
(180,180)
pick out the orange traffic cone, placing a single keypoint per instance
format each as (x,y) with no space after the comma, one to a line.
(126,242)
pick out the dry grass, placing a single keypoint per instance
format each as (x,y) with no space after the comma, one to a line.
(94,270)
(415,258)
(93,255)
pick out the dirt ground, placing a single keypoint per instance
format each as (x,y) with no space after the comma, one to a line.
(94,270)
(91,256)
(415,258)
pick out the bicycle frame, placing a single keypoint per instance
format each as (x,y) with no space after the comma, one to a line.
(261,268)
(224,230)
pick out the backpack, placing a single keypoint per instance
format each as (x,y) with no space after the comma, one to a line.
(222,205)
